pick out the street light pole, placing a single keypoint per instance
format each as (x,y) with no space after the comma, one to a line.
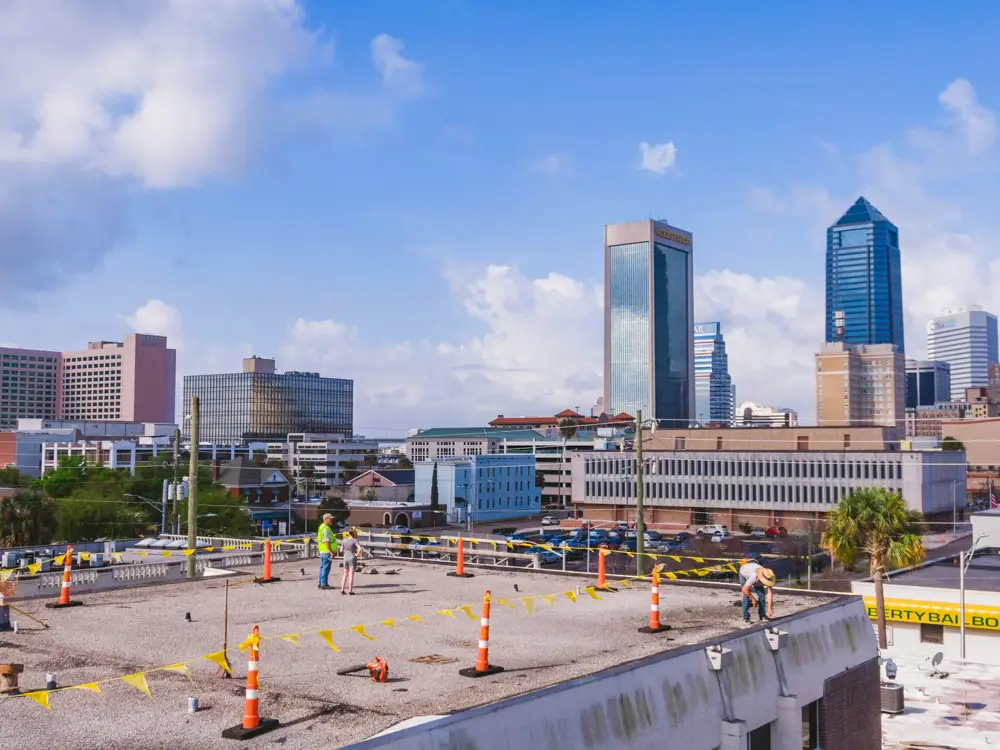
(640,523)
(954,507)
(192,541)
(176,484)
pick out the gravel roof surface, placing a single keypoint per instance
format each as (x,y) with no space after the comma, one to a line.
(131,630)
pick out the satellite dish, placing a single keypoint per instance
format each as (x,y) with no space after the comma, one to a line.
(937,659)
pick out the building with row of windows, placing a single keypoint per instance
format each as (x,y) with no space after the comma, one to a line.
(860,384)
(966,340)
(786,488)
(128,381)
(480,488)
(262,404)
(319,460)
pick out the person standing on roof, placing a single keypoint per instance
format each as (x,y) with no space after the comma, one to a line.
(757,584)
(352,551)
(326,540)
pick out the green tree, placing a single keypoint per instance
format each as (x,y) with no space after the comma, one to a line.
(349,470)
(568,427)
(949,443)
(335,506)
(26,518)
(11,477)
(435,499)
(219,513)
(369,495)
(371,460)
(85,517)
(877,523)
(404,463)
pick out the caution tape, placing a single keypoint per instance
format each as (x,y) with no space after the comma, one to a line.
(139,682)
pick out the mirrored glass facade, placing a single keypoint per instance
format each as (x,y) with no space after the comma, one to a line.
(714,396)
(648,326)
(247,406)
(864,291)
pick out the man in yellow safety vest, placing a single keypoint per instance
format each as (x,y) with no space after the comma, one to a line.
(326,540)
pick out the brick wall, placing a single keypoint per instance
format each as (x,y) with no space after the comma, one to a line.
(850,715)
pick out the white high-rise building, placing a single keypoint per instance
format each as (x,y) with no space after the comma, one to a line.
(967,340)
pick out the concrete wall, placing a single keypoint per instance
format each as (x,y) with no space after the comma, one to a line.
(675,699)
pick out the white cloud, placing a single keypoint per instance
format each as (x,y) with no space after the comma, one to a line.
(158,318)
(553,164)
(977,124)
(658,159)
(100,97)
(398,72)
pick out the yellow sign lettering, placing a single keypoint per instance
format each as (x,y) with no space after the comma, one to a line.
(673,236)
(936,613)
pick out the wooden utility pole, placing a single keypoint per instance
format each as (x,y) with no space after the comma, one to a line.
(192,541)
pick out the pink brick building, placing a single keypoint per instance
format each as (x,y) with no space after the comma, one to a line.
(129,381)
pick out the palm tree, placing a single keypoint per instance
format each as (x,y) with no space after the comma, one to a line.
(27,518)
(875,522)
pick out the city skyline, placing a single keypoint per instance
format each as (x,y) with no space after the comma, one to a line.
(714,392)
(340,147)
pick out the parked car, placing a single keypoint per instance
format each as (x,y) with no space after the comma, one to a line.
(399,530)
(758,532)
(548,558)
(550,521)
(776,531)
(680,536)
(712,529)
(723,537)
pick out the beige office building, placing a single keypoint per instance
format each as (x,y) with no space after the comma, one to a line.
(860,384)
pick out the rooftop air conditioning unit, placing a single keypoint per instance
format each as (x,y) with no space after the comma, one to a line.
(892,698)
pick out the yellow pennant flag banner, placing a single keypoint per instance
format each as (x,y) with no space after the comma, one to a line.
(138,680)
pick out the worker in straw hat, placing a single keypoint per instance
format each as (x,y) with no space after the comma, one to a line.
(757,584)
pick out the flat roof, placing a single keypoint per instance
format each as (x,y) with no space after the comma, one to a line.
(126,631)
(982,573)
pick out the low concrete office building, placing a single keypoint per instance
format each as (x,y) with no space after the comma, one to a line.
(760,487)
(923,604)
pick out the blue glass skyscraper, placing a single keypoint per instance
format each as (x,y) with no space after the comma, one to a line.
(864,289)
(714,398)
(648,319)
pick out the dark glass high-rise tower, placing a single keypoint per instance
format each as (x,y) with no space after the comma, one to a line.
(648,319)
(864,290)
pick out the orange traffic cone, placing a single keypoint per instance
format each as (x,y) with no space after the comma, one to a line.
(483,666)
(267,577)
(64,600)
(602,581)
(252,723)
(459,571)
(654,607)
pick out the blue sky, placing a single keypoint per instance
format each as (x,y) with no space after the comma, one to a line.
(413,194)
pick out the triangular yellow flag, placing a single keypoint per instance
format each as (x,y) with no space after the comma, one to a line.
(59,560)
(229,546)
(117,556)
(5,575)
(180,669)
(219,657)
(675,558)
(510,545)
(505,603)
(165,553)
(626,584)
(41,697)
(143,554)
(91,686)
(389,623)
(529,604)
(360,630)
(208,549)
(549,599)
(630,554)
(571,595)
(33,569)
(138,681)
(291,638)
(415,618)
(85,556)
(547,547)
(474,541)
(605,552)
(593,594)
(188,552)
(467,608)
(446,613)
(698,559)
(327,635)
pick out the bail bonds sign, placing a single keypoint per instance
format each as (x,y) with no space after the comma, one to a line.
(936,613)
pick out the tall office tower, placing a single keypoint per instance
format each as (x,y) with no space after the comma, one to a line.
(262,404)
(860,385)
(648,319)
(967,340)
(927,383)
(864,293)
(117,381)
(714,393)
